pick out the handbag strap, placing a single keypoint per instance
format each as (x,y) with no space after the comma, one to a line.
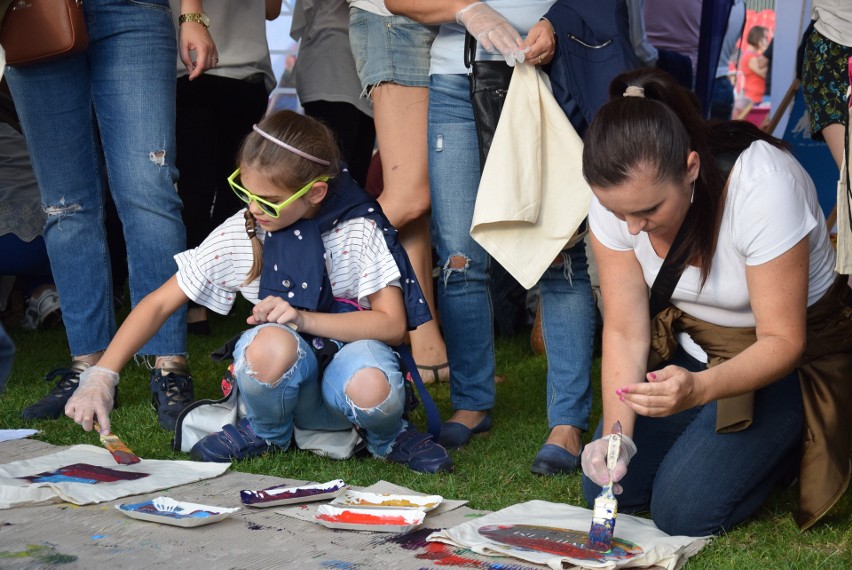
(469,49)
(673,265)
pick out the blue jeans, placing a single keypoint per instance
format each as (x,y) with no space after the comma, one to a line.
(464,301)
(303,399)
(106,118)
(697,482)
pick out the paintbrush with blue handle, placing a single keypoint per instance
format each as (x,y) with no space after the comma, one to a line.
(606,506)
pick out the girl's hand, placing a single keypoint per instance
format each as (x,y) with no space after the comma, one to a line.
(667,391)
(275,310)
(195,38)
(540,45)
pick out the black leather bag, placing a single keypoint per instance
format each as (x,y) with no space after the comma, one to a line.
(489,84)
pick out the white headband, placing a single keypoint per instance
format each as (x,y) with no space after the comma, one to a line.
(634,91)
(292,149)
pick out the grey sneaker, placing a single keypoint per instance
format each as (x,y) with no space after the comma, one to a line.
(171,392)
(43,312)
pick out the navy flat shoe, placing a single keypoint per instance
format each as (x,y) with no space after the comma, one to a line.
(455,435)
(554,460)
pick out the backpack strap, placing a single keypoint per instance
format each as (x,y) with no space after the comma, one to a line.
(433,418)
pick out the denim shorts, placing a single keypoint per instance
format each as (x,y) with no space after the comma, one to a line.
(390,49)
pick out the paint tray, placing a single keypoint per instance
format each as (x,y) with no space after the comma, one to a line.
(288,495)
(398,521)
(165,510)
(387,500)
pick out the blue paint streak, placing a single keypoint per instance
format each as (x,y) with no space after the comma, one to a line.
(98,536)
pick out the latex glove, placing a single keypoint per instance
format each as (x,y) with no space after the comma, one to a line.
(93,398)
(594,461)
(493,32)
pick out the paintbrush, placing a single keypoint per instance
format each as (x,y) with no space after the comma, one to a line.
(120,452)
(606,507)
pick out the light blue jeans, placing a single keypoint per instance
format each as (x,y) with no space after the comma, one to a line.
(103,119)
(464,301)
(698,482)
(303,399)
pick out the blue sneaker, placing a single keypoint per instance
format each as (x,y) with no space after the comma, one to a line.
(171,392)
(419,452)
(233,442)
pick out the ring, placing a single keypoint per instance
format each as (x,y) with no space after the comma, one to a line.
(539,60)
(216,60)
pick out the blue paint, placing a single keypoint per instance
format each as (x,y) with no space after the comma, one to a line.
(339,565)
(98,536)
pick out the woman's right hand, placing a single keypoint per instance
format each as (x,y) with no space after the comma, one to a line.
(94,398)
(594,461)
(493,32)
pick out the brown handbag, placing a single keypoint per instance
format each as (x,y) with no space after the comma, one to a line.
(39,30)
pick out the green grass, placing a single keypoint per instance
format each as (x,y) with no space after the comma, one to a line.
(491,473)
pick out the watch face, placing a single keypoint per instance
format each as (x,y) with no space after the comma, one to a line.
(205,20)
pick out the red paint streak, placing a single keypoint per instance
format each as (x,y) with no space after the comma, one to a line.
(441,555)
(362,518)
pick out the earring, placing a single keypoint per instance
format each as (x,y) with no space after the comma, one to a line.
(691,198)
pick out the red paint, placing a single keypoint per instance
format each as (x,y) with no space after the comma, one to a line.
(363,518)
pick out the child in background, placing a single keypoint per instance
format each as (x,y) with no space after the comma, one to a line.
(754,65)
(312,241)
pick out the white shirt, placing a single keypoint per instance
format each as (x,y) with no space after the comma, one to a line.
(833,20)
(771,205)
(358,263)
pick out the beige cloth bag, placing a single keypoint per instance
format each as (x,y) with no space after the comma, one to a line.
(532,196)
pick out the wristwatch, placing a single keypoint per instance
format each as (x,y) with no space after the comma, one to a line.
(199,17)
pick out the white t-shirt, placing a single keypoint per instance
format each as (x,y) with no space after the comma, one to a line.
(239,30)
(833,20)
(771,205)
(448,48)
(358,263)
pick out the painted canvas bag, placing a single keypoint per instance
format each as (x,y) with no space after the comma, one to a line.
(555,534)
(85,474)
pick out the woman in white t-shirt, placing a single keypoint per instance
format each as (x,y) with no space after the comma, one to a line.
(757,263)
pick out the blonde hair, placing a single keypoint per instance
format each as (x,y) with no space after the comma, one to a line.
(283,168)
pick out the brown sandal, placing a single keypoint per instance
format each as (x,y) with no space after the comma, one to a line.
(435,377)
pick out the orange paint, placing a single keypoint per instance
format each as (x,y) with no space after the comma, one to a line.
(363,518)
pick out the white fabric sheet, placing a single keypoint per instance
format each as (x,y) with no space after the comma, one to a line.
(20,484)
(493,535)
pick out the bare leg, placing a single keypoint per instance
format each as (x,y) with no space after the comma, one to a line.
(400,118)
(835,137)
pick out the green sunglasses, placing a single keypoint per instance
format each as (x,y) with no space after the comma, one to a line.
(269,208)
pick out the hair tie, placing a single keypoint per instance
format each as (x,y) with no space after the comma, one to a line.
(251,228)
(292,149)
(634,91)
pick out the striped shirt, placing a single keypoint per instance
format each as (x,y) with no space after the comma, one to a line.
(357,260)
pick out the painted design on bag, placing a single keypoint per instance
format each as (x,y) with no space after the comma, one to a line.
(559,541)
(83,473)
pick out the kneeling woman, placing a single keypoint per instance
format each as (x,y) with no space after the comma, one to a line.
(719,422)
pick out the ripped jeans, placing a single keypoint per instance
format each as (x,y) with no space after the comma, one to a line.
(464,300)
(98,121)
(302,399)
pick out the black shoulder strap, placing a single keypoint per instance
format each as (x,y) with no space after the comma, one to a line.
(673,266)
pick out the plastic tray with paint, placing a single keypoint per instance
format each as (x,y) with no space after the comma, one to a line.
(387,500)
(165,510)
(369,519)
(288,495)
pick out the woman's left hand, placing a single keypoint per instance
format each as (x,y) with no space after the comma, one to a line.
(667,391)
(540,44)
(275,310)
(194,37)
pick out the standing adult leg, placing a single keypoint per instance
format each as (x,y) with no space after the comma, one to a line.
(568,327)
(463,298)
